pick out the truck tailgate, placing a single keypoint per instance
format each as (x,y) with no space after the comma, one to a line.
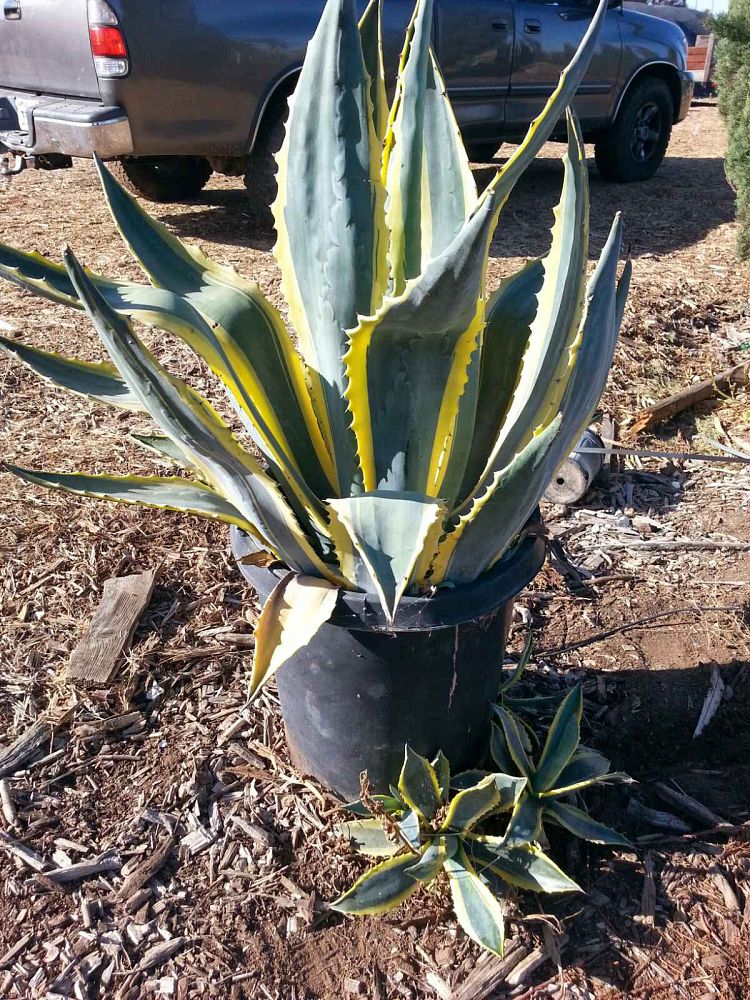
(44,47)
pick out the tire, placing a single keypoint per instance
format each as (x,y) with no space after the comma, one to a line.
(260,175)
(163,178)
(481,152)
(633,148)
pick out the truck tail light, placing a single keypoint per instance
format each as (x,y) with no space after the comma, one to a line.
(108,45)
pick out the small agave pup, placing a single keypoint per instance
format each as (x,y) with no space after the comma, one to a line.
(425,828)
(406,444)
(434,822)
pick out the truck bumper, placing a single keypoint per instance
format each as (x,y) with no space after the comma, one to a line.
(37,124)
(687,85)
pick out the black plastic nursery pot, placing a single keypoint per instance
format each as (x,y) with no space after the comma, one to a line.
(362,688)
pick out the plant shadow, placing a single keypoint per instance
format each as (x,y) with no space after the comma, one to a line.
(699,200)
(687,199)
(644,721)
(225,215)
(638,490)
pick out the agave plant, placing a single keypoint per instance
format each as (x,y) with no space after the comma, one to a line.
(423,830)
(410,429)
(433,823)
(563,768)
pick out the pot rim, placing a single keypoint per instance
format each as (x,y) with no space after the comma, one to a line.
(446,607)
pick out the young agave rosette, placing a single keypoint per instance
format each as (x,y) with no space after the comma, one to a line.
(426,827)
(406,443)
(563,768)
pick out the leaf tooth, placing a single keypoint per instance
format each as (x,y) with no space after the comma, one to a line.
(356,395)
(457,524)
(450,412)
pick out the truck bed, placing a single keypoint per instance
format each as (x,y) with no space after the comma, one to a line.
(44,48)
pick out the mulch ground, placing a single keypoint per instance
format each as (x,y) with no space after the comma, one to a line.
(212,859)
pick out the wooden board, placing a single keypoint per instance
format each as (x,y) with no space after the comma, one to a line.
(95,658)
(700,57)
(697,392)
(14,757)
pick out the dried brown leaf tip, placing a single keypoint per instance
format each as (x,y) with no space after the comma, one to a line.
(263,559)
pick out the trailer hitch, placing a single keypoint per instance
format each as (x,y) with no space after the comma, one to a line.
(11,164)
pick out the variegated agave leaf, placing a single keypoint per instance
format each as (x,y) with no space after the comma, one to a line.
(203,437)
(407,367)
(418,785)
(238,334)
(510,493)
(584,766)
(293,613)
(95,380)
(545,365)
(432,859)
(562,741)
(371,35)
(470,805)
(510,312)
(430,190)
(478,911)
(165,493)
(580,824)
(367,836)
(442,769)
(525,867)
(380,889)
(329,217)
(160,444)
(244,341)
(379,538)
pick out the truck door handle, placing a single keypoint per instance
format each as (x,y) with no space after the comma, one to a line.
(12,10)
(532,26)
(500,25)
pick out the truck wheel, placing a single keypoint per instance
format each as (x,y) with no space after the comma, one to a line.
(163,178)
(482,152)
(633,148)
(260,175)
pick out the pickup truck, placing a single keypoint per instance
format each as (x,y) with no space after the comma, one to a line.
(173,90)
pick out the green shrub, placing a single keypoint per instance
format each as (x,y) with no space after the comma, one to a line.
(733,54)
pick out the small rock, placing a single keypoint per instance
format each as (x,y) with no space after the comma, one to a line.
(714,962)
(444,955)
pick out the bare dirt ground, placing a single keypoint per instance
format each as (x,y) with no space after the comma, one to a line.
(250,853)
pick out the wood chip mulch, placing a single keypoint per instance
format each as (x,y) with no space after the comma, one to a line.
(154,838)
